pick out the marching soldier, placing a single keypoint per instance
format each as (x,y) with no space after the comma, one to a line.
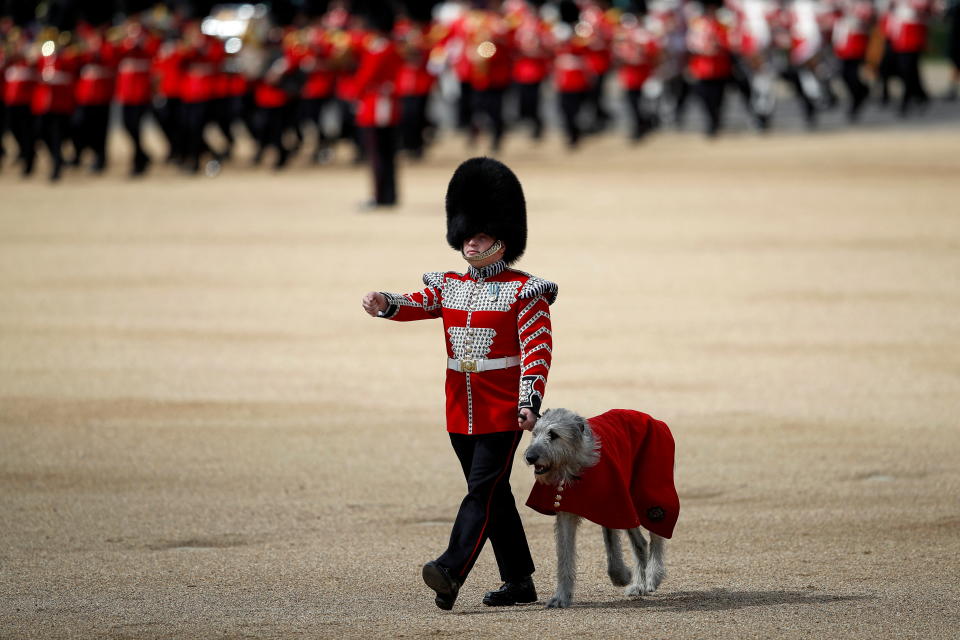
(54,101)
(20,80)
(133,88)
(851,35)
(414,81)
(95,89)
(571,74)
(635,52)
(710,62)
(499,345)
(378,106)
(531,65)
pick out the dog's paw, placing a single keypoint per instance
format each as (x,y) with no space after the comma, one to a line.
(557,602)
(634,590)
(619,576)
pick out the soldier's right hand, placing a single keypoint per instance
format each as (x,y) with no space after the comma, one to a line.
(374,303)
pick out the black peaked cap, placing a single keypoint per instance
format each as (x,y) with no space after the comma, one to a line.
(485,196)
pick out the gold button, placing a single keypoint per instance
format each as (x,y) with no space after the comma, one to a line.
(556,504)
(560,488)
(557,497)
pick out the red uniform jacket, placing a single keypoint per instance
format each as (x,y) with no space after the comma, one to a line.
(20,80)
(58,80)
(636,52)
(632,483)
(907,25)
(376,83)
(415,43)
(709,48)
(531,42)
(133,73)
(571,73)
(98,75)
(851,33)
(488,313)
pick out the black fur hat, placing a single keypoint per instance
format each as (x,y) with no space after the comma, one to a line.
(484,196)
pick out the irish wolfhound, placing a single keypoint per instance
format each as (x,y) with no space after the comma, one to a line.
(617,470)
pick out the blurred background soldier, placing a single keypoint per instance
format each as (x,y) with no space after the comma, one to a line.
(316,65)
(271,99)
(907,28)
(571,74)
(95,88)
(851,35)
(709,62)
(488,51)
(136,51)
(378,105)
(167,72)
(202,61)
(415,39)
(20,80)
(596,29)
(953,48)
(754,42)
(636,54)
(54,98)
(531,63)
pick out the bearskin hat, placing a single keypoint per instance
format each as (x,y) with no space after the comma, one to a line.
(484,196)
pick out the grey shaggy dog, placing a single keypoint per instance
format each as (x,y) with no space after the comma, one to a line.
(563,445)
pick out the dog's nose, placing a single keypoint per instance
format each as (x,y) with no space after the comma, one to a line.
(531,458)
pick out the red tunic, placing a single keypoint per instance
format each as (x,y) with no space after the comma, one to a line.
(632,483)
(58,80)
(376,83)
(709,49)
(98,75)
(635,51)
(488,313)
(20,81)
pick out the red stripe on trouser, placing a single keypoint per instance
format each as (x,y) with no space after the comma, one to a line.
(486,519)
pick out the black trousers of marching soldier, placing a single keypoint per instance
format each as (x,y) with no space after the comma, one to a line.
(133,123)
(167,111)
(488,511)
(488,109)
(271,125)
(711,92)
(908,67)
(570,104)
(55,130)
(413,123)
(850,72)
(90,124)
(381,150)
(641,122)
(528,96)
(22,125)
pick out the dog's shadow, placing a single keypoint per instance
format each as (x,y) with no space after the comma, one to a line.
(712,600)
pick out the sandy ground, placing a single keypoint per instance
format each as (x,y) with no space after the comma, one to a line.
(204,436)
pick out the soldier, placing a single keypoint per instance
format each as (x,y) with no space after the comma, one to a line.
(907,25)
(202,62)
(571,74)
(54,100)
(166,72)
(378,105)
(635,52)
(488,51)
(317,90)
(851,34)
(95,89)
(20,80)
(709,62)
(531,64)
(414,81)
(499,349)
(133,87)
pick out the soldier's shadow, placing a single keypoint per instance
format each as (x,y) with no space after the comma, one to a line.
(712,600)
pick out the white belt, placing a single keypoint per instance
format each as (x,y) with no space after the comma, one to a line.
(478,365)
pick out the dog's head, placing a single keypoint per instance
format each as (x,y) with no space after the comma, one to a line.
(562,445)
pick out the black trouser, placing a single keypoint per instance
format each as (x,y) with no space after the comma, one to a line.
(224,114)
(886,70)
(465,106)
(488,510)
(349,129)
(850,72)
(792,76)
(529,103)
(195,118)
(90,124)
(594,102)
(132,121)
(488,105)
(413,123)
(908,65)
(271,128)
(311,110)
(23,126)
(710,91)
(167,111)
(3,128)
(54,129)
(381,146)
(570,103)
(641,121)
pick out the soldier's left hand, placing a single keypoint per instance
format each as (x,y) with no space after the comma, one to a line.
(527,419)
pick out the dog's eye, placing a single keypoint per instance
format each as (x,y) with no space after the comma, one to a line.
(552,434)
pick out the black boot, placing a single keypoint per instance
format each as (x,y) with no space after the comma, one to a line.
(438,578)
(511,593)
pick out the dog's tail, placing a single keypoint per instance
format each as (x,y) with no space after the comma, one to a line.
(657,562)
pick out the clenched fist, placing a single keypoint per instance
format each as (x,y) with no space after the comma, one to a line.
(374,303)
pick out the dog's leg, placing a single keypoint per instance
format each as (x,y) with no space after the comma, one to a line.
(657,563)
(566,534)
(638,586)
(618,572)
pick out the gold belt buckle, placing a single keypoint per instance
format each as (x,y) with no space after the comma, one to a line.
(468,366)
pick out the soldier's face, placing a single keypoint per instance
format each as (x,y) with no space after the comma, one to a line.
(474,247)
